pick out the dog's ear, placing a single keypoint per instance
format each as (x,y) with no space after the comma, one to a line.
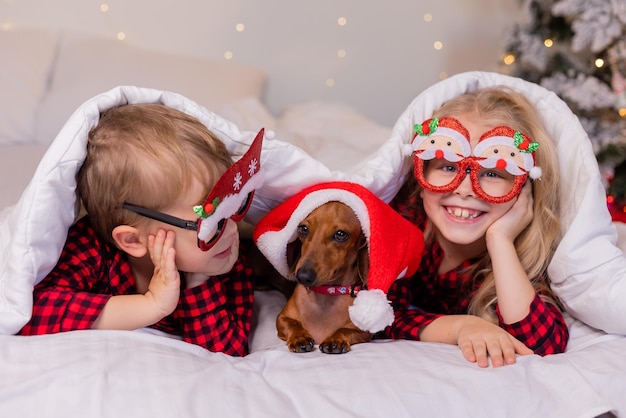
(294,250)
(363,261)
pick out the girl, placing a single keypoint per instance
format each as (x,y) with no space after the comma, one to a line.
(485,191)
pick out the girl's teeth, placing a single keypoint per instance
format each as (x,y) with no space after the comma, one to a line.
(461,213)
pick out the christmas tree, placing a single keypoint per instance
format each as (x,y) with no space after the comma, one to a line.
(577,49)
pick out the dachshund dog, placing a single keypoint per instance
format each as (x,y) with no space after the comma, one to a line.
(330,263)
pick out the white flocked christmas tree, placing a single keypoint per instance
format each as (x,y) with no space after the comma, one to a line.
(577,49)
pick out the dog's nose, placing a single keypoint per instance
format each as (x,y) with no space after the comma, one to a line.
(306,276)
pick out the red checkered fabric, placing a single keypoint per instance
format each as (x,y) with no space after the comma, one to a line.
(427,295)
(216,315)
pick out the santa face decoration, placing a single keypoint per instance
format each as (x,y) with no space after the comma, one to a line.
(498,165)
(230,198)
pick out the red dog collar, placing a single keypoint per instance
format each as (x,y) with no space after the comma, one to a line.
(337,290)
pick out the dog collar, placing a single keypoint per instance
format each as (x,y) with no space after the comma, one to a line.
(337,290)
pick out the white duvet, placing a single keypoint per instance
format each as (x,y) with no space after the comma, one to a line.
(111,373)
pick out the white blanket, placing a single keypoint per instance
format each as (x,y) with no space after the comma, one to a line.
(115,373)
(140,374)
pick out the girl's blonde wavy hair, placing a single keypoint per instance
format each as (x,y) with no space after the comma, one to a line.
(147,155)
(538,241)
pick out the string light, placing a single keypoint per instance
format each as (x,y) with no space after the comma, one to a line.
(341,53)
(622,112)
(428,17)
(509,59)
(240,27)
(121,36)
(228,55)
(438,45)
(599,63)
(548,43)
(104,7)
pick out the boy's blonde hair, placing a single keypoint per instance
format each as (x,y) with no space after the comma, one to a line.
(147,155)
(538,241)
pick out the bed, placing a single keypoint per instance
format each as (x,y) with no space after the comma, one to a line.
(144,373)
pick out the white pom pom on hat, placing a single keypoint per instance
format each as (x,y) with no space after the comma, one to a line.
(395,245)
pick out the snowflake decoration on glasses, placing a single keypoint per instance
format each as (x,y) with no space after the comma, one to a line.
(237,181)
(252,167)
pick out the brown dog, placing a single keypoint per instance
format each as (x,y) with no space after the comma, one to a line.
(330,256)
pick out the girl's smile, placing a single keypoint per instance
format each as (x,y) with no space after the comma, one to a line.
(461,213)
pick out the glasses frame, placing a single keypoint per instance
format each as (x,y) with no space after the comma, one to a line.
(468,165)
(193,225)
(178,222)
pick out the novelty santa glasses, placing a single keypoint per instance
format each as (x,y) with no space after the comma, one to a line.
(230,198)
(498,165)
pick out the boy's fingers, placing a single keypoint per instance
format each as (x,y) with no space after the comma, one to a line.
(170,265)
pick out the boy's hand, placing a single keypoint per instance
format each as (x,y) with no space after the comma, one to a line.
(479,339)
(164,287)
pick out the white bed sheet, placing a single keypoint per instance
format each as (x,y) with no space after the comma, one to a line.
(144,374)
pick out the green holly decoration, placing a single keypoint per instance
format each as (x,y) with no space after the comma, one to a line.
(425,130)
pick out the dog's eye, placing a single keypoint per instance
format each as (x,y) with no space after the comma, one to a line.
(303,231)
(340,236)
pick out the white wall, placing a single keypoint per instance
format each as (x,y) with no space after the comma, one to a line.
(389,57)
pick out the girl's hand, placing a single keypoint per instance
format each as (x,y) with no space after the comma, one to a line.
(164,287)
(518,217)
(479,339)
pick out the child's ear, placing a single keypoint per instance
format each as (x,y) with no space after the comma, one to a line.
(128,240)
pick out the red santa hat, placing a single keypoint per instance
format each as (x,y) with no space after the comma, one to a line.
(395,245)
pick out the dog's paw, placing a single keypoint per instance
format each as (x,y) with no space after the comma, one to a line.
(334,347)
(303,344)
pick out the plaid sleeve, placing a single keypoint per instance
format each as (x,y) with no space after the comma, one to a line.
(543,330)
(409,320)
(217,314)
(70,297)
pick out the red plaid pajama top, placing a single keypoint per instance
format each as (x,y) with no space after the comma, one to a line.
(427,295)
(216,315)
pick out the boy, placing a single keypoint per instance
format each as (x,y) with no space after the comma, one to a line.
(154,250)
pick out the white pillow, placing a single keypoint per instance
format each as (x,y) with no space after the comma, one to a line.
(333,133)
(17,165)
(248,114)
(26,57)
(88,66)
